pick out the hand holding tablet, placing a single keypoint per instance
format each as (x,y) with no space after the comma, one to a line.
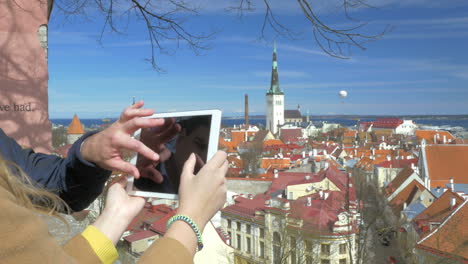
(183,133)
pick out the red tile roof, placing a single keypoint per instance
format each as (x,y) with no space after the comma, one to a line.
(288,134)
(450,239)
(139,235)
(149,214)
(319,217)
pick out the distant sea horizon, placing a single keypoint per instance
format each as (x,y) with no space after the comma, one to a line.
(443,122)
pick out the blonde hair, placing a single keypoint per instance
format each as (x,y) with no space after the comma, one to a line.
(14,180)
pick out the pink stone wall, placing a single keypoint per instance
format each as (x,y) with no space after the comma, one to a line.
(23,74)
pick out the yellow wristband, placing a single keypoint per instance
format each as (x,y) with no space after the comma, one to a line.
(101,245)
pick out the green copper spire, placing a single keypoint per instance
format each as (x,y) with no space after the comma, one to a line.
(274,87)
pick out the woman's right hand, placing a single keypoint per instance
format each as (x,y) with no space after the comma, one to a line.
(204,194)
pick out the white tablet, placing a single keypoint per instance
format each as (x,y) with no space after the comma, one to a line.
(197,132)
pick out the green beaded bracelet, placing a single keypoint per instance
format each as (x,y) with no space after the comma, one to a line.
(191,223)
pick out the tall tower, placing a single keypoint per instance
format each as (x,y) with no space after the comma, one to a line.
(274,99)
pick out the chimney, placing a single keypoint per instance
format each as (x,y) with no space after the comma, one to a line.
(307,177)
(404,206)
(303,154)
(438,189)
(246,110)
(373,151)
(383,138)
(321,194)
(452,187)
(453,202)
(309,201)
(275,172)
(325,195)
(389,158)
(435,139)
(445,139)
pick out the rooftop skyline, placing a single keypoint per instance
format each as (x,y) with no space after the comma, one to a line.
(420,67)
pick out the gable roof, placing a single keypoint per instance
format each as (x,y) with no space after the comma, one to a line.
(406,196)
(445,162)
(288,134)
(400,163)
(292,114)
(449,240)
(440,208)
(398,180)
(428,135)
(75,126)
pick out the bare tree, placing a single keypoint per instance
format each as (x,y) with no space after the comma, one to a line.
(251,158)
(165,23)
(333,40)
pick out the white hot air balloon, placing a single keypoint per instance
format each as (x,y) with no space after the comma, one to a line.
(343,94)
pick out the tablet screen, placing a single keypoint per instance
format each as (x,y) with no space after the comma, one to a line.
(193,137)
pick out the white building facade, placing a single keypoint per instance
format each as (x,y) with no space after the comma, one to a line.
(274,100)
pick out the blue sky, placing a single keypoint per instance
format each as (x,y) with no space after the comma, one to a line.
(421,67)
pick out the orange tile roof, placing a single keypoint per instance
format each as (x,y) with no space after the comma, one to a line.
(398,180)
(351,133)
(75,126)
(405,196)
(450,239)
(228,146)
(235,161)
(439,210)
(272,142)
(240,136)
(428,135)
(445,162)
(275,163)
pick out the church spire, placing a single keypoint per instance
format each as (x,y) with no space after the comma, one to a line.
(274,87)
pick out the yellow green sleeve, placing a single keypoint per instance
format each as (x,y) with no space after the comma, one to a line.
(101,245)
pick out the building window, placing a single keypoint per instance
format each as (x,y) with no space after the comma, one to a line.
(343,248)
(276,247)
(308,260)
(230,237)
(308,245)
(238,226)
(229,223)
(262,232)
(325,261)
(342,261)
(238,242)
(248,245)
(248,229)
(325,249)
(262,249)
